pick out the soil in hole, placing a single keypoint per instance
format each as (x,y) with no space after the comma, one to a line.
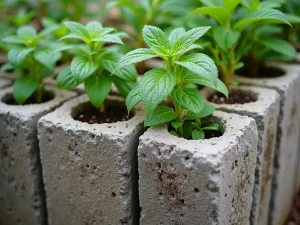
(263,72)
(112,114)
(47,96)
(212,134)
(235,97)
(294,217)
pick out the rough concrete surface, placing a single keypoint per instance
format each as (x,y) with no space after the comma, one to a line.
(4,82)
(286,155)
(265,111)
(90,170)
(22,195)
(204,182)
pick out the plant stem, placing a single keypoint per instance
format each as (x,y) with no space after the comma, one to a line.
(39,94)
(102,108)
(178,111)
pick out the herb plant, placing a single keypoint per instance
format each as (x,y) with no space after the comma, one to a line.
(238,23)
(176,82)
(94,62)
(31,61)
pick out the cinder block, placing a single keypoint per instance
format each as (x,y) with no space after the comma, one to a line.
(265,111)
(286,155)
(21,186)
(90,170)
(203,182)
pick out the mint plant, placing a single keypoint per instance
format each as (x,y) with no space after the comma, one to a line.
(93,62)
(31,61)
(176,82)
(235,35)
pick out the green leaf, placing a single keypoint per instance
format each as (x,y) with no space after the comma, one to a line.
(155,37)
(82,68)
(156,85)
(198,134)
(124,88)
(66,79)
(175,34)
(17,55)
(78,29)
(161,115)
(135,56)
(47,57)
(207,110)
(97,89)
(185,41)
(280,46)
(221,14)
(176,124)
(187,129)
(6,67)
(268,16)
(231,4)
(93,27)
(14,40)
(224,38)
(109,38)
(24,87)
(26,32)
(200,64)
(189,99)
(133,98)
(173,132)
(195,78)
(213,126)
(127,73)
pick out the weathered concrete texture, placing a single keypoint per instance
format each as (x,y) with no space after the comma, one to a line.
(204,182)
(21,187)
(265,111)
(286,155)
(90,171)
(4,82)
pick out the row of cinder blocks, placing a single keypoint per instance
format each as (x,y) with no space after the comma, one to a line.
(114,174)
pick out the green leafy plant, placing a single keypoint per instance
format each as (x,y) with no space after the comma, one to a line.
(94,62)
(176,82)
(239,23)
(31,61)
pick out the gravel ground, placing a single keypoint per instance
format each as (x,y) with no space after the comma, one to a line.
(294,218)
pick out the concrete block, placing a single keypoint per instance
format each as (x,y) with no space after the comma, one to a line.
(4,82)
(204,182)
(265,111)
(286,155)
(90,170)
(21,186)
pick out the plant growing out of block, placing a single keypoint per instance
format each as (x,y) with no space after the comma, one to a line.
(31,61)
(175,83)
(235,34)
(94,62)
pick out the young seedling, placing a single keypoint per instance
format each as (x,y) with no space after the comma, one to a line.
(229,41)
(176,82)
(31,61)
(94,62)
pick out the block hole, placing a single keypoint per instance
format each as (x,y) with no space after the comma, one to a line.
(181,215)
(196,190)
(143,155)
(113,195)
(158,165)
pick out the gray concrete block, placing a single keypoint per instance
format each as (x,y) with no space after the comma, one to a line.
(204,182)
(90,171)
(4,82)
(22,194)
(286,155)
(265,111)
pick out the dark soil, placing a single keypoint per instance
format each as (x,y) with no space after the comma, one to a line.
(47,96)
(263,72)
(112,114)
(212,134)
(235,97)
(294,217)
